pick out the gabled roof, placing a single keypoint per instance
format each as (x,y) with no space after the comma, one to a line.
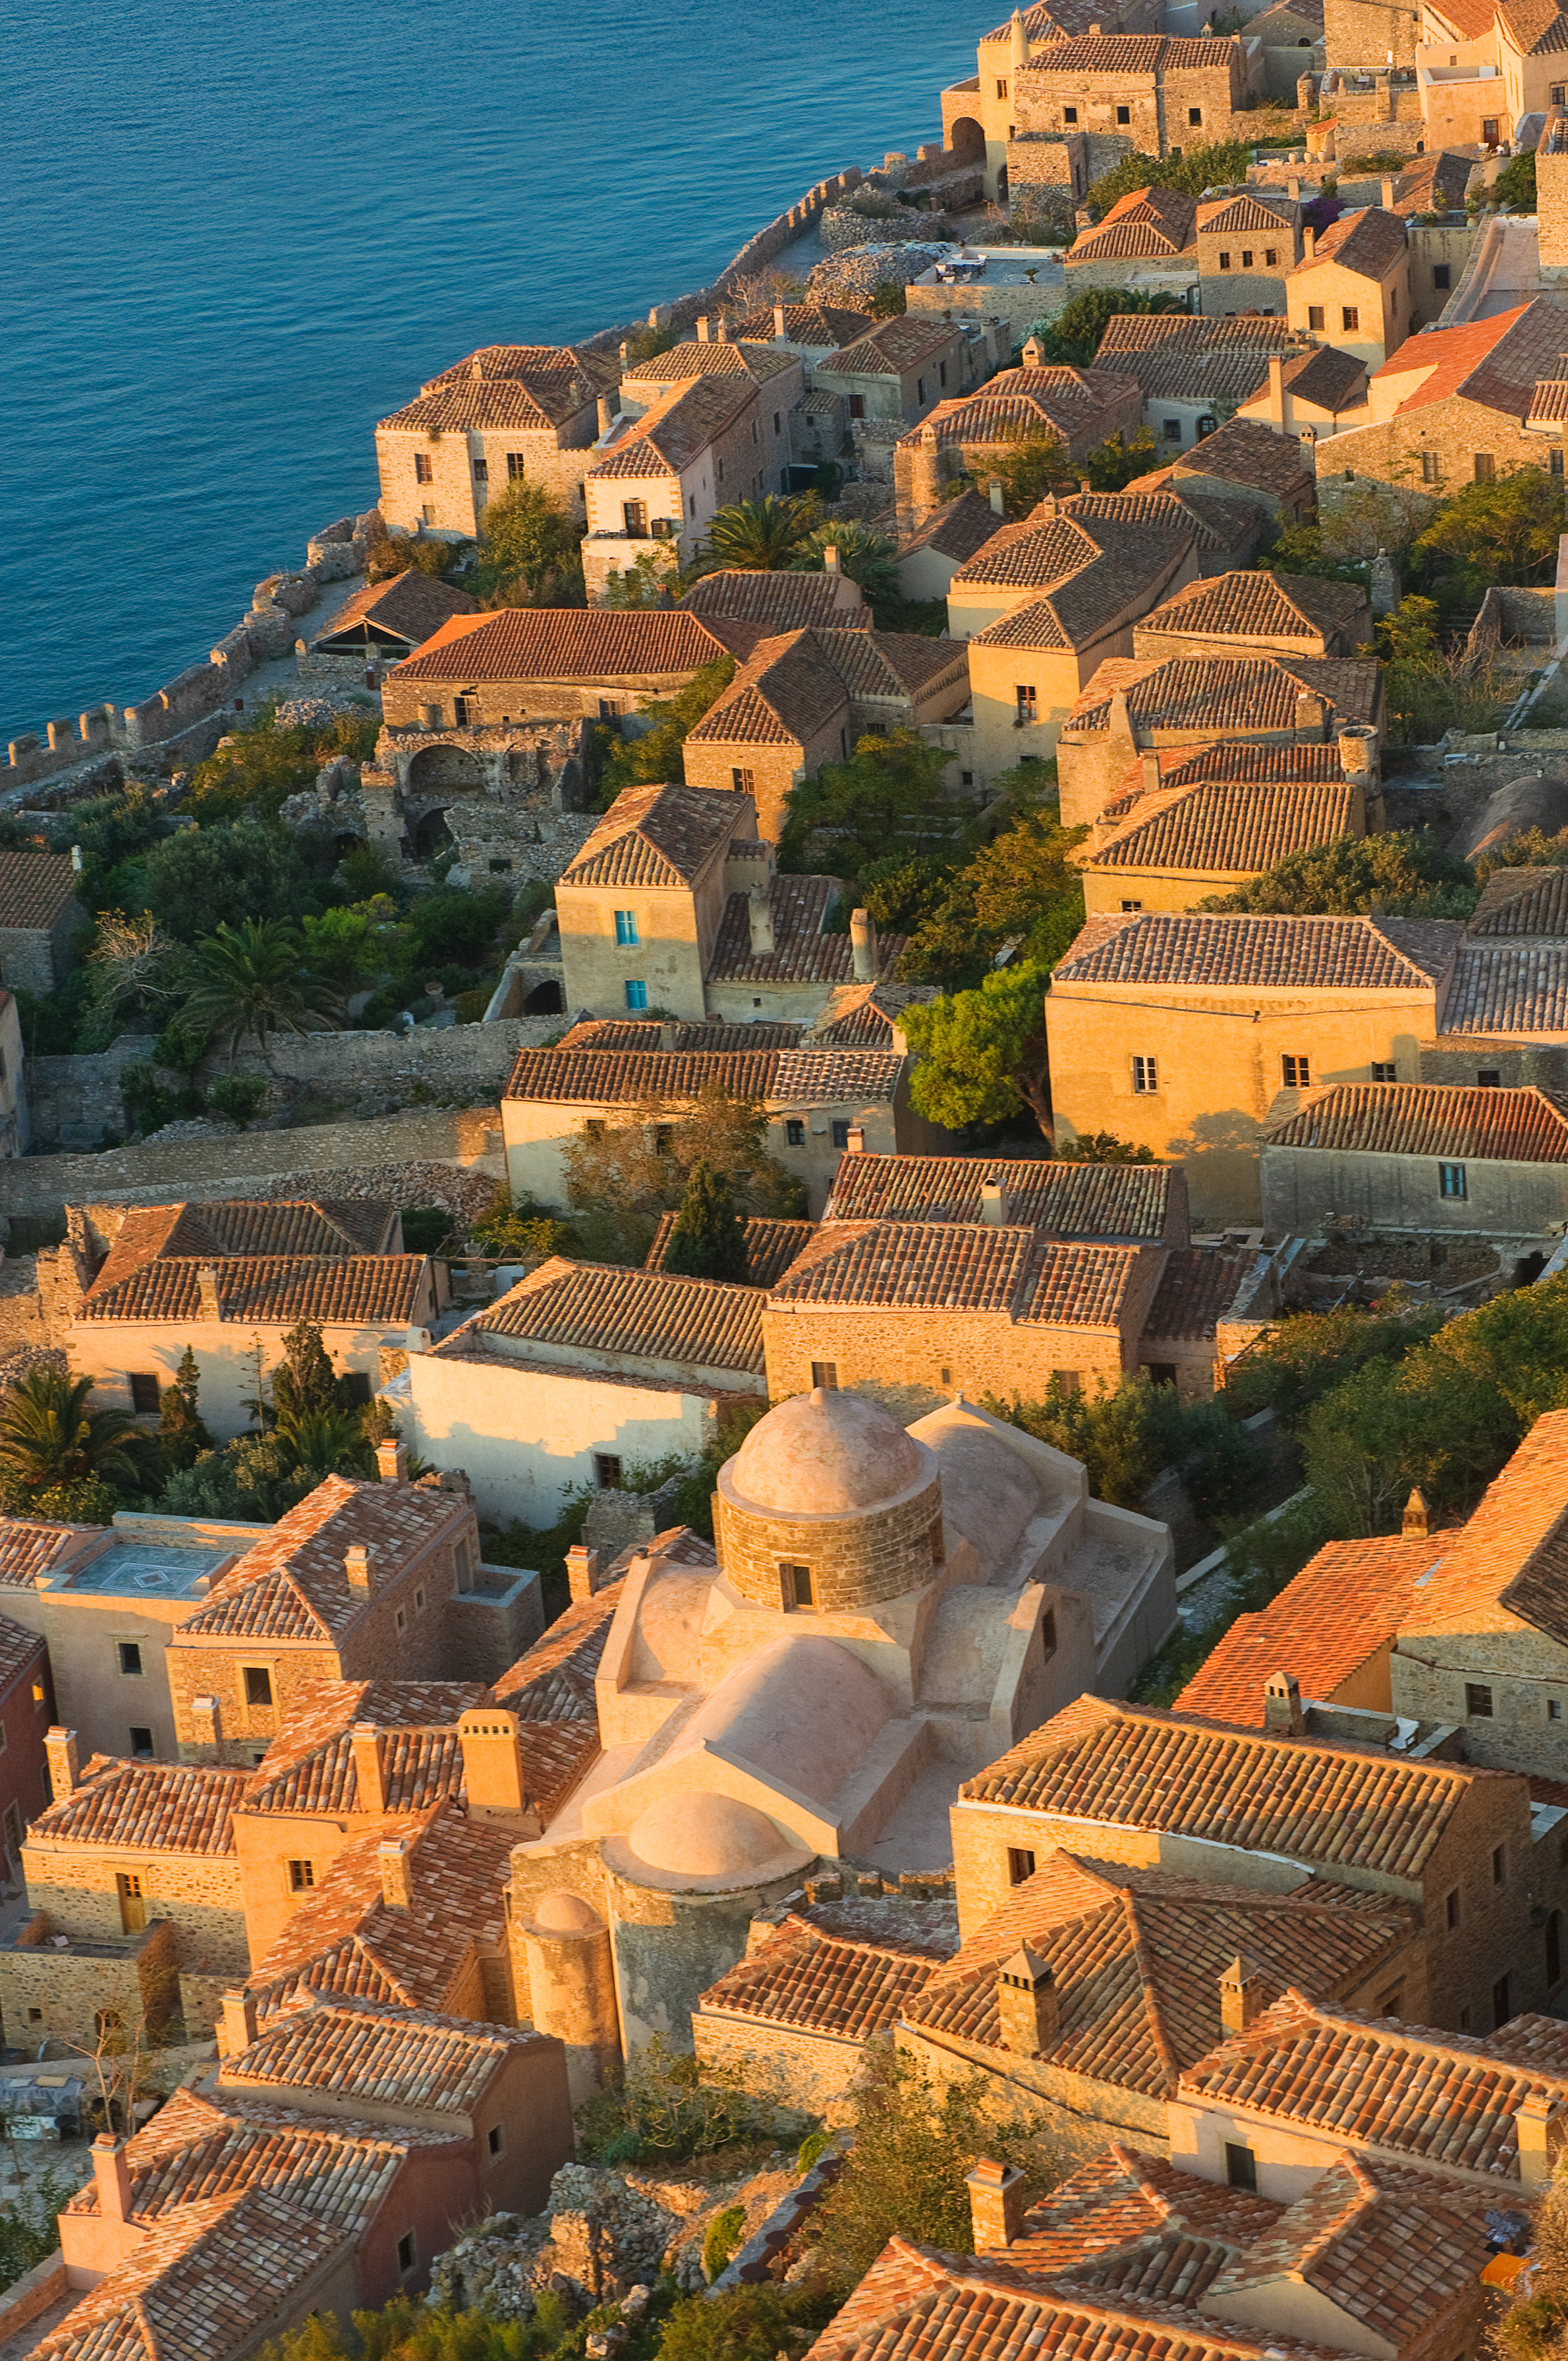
(1246,210)
(1255,606)
(1176,355)
(828,1971)
(784,695)
(1130,53)
(239,1226)
(1134,2226)
(1196,1290)
(1218,524)
(1155,223)
(1208,953)
(294,1585)
(310,1764)
(1134,1766)
(781,602)
(273,1290)
(166,1807)
(604,1033)
(371,2053)
(1521,902)
(771,1247)
(804,953)
(1344,1605)
(1369,243)
(28,1549)
(35,888)
(867,1015)
(1509,987)
(554,1680)
(656,836)
(1534,28)
(1088,572)
(410,608)
(1512,1554)
(1495,362)
(1228,829)
(1329,380)
(1215,693)
(1435,182)
(677,430)
(1071,1201)
(890,349)
(1230,758)
(565,643)
(957,529)
(810,1075)
(643,1314)
(1072,401)
(970,1266)
(814,324)
(1526,1126)
(533,388)
(1247,453)
(717,358)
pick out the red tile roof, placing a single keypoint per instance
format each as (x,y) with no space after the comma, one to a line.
(1512,1553)
(1014,1273)
(1212,695)
(28,1550)
(1344,1606)
(1521,902)
(1177,356)
(372,2054)
(1196,1288)
(821,1974)
(644,1315)
(1526,1126)
(1073,402)
(269,1291)
(657,836)
(1255,607)
(1495,362)
(1229,828)
(566,644)
(1369,243)
(782,602)
(165,1806)
(1509,987)
(676,431)
(294,1585)
(36,889)
(1203,952)
(1071,1201)
(804,950)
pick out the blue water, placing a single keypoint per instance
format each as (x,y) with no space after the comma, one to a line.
(237,232)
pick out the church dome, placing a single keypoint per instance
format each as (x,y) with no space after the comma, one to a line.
(559,1911)
(698,1834)
(826,1453)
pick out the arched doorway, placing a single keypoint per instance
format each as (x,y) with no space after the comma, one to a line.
(444,766)
(430,836)
(967,141)
(544,1000)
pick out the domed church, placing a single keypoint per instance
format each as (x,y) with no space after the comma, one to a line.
(890,1610)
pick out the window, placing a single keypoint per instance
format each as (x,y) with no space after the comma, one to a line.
(1001,87)
(1296,1073)
(593,1128)
(1478,1700)
(1270,257)
(466,711)
(857,405)
(920,388)
(1225,259)
(1020,1864)
(1146,1077)
(1124,115)
(1451,1181)
(1554,461)
(133,1902)
(1350,317)
(1388,2001)
(424,472)
(517,468)
(1132,905)
(1194,117)
(496,2140)
(1241,2166)
(1069,115)
(481,472)
(662,527)
(355,1385)
(1450,1910)
(636,994)
(842,1134)
(129,1653)
(301,1876)
(427,513)
(1429,468)
(35,2016)
(941,372)
(607,1471)
(635,516)
(1171,430)
(1486,469)
(609,708)
(1554,1948)
(14,1827)
(1049,1633)
(744,782)
(1499,1865)
(257,1685)
(1489,1078)
(778,425)
(1028,701)
(626,928)
(826,1374)
(144,1391)
(1246,257)
(408,2253)
(399,1619)
(1560,93)
(1315,316)
(1384,1070)
(1440,274)
(1502,2006)
(795,1132)
(663,1138)
(141,1741)
(795,1585)
(1393,302)
(419,1602)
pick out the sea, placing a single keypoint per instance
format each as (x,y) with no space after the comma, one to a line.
(238,232)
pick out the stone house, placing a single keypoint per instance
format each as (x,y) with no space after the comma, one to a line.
(1151,229)
(897,372)
(1246,243)
(1208,824)
(1332,1629)
(1191,371)
(510,414)
(812,329)
(1309,395)
(1121,1205)
(27,1711)
(1149,92)
(1290,615)
(39,919)
(1290,35)
(1125,1782)
(980,116)
(778,374)
(1353,288)
(552,664)
(1242,462)
(380,625)
(1178,1031)
(1078,407)
(130,1292)
(952,534)
(1419,1158)
(655,482)
(806,697)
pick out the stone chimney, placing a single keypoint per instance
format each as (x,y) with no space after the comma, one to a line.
(1293,187)
(370,1773)
(1033,354)
(1356,744)
(994,1206)
(1027,2006)
(1387,188)
(64,1767)
(722,335)
(1019,36)
(669,1033)
(112,2171)
(207,1290)
(996,2204)
(702,327)
(1309,718)
(207,1726)
(1242,2000)
(582,1571)
(925,491)
(781,326)
(1309,242)
(1282,1705)
(863,945)
(1120,722)
(830,559)
(1045,508)
(1413,1523)
(1383,583)
(492,1765)
(760,920)
(1539,2124)
(392,1460)
(607,416)
(239,2021)
(856,1143)
(357,1563)
(394,1859)
(1149,764)
(997,492)
(1276,389)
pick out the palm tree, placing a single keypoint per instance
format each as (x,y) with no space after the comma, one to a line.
(868,558)
(251,980)
(327,1440)
(49,1438)
(758,537)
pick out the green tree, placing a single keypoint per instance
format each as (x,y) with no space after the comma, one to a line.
(1506,531)
(229,875)
(1074,335)
(1194,170)
(868,558)
(251,982)
(255,1481)
(982,1055)
(656,756)
(760,536)
(1515,184)
(1114,463)
(181,1434)
(1305,1354)
(304,1381)
(1407,873)
(49,1439)
(1032,461)
(708,1240)
(259,764)
(619,1181)
(529,550)
(889,301)
(1103,1147)
(341,946)
(648,581)
(888,797)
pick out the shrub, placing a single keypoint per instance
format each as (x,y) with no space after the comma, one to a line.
(427,1229)
(747,2324)
(671,2106)
(722,2240)
(238,1096)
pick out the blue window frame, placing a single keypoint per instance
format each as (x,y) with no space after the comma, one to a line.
(626,928)
(636,994)
(1451,1181)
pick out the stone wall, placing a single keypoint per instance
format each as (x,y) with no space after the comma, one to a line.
(60,1995)
(489,1627)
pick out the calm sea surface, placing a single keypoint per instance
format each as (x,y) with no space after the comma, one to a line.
(237,232)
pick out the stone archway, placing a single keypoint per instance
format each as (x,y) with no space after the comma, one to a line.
(544,1000)
(430,835)
(444,765)
(967,144)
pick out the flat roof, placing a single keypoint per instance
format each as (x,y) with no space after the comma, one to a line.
(148,1570)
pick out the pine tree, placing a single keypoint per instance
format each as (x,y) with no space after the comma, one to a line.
(708,1240)
(303,1379)
(180,1431)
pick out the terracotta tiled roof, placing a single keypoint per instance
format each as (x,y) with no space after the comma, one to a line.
(271,1291)
(1215,695)
(1343,1606)
(1134,2224)
(1205,951)
(1229,828)
(867,1015)
(733,358)
(890,349)
(165,1806)
(1495,362)
(1245,210)
(27,1550)
(1247,452)
(1013,1272)
(531,386)
(1129,53)
(656,835)
(1329,380)
(810,1075)
(771,1247)
(1433,183)
(411,607)
(783,602)
(1534,28)
(1369,243)
(1513,1553)
(525,644)
(957,529)
(1089,576)
(1509,988)
(1182,766)
(803,952)
(35,888)
(237,1225)
(1073,401)
(1253,606)
(667,439)
(554,1680)
(1549,402)
(1177,356)
(294,1583)
(817,1978)
(1519,1126)
(19,1651)
(1151,221)
(1137,1956)
(828,324)
(1435,2098)
(649,1315)
(603,1033)
(1196,1288)
(893,667)
(785,694)
(370,2054)
(310,1767)
(1135,1767)
(1521,902)
(1071,1201)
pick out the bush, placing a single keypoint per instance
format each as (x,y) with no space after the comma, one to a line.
(747,2324)
(1307,1353)
(238,1096)
(1125,1435)
(427,1229)
(721,2239)
(669,2107)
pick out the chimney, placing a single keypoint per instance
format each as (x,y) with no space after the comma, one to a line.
(1019,32)
(625,354)
(996,2204)
(356,1562)
(395,1861)
(924,491)
(759,919)
(476,370)
(702,335)
(1355,755)
(1033,353)
(1538,2126)
(1388,192)
(1309,719)
(722,336)
(207,1726)
(392,1460)
(1276,389)
(781,328)
(1309,242)
(239,2021)
(493,1777)
(856,1143)
(993,1204)
(830,559)
(669,1033)
(1413,1523)
(1026,2008)
(369,1776)
(1120,724)
(607,416)
(1045,508)
(1293,187)
(582,1571)
(997,492)
(112,2171)
(64,1771)
(1282,1705)
(207,1289)
(864,943)
(1149,762)
(1242,1998)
